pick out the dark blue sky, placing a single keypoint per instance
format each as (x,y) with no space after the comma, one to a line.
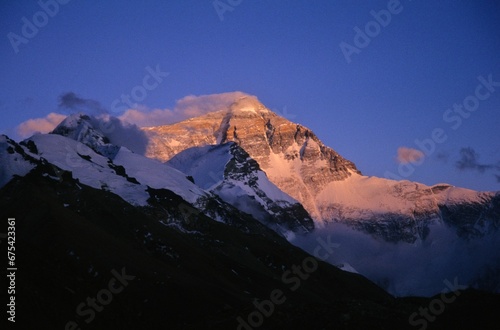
(393,91)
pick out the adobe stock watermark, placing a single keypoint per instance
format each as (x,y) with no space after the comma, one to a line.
(455,117)
(138,93)
(293,277)
(104,297)
(221,6)
(40,19)
(437,306)
(372,29)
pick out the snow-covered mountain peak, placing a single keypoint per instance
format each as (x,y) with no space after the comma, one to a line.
(75,120)
(76,126)
(89,131)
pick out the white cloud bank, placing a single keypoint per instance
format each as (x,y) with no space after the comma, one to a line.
(188,107)
(40,125)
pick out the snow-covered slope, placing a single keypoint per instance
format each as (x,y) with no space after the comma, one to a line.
(90,142)
(93,169)
(13,160)
(229,172)
(404,210)
(157,175)
(89,167)
(379,196)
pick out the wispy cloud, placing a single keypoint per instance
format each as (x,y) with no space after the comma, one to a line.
(187,107)
(409,155)
(121,133)
(193,105)
(443,156)
(74,102)
(66,101)
(469,160)
(40,125)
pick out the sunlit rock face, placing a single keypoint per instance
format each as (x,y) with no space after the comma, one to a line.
(291,155)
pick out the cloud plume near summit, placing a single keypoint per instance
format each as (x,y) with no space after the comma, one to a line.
(187,107)
(74,102)
(39,125)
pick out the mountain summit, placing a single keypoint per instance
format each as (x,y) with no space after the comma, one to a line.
(292,156)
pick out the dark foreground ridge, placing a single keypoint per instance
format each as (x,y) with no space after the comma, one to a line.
(87,259)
